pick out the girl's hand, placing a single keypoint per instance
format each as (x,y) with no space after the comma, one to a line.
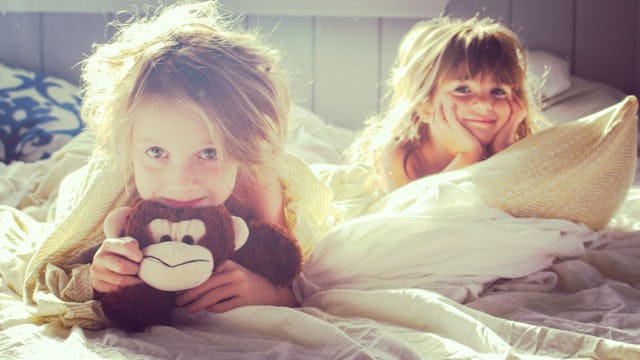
(116,262)
(232,286)
(507,135)
(447,129)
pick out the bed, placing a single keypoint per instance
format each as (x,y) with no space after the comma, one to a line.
(534,288)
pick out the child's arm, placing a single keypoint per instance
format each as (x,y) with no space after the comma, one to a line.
(115,264)
(232,286)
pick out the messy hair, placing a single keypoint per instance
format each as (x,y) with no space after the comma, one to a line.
(433,52)
(196,57)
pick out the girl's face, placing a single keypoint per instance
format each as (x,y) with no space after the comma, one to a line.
(483,106)
(175,160)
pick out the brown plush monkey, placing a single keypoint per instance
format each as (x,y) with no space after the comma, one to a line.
(182,247)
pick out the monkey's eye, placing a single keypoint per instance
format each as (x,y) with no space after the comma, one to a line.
(188,239)
(186,231)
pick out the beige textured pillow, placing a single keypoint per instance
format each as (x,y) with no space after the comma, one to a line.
(579,171)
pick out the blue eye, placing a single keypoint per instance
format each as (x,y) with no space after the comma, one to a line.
(156,152)
(209,154)
(498,92)
(462,89)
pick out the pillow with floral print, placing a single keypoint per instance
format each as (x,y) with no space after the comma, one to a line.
(38,114)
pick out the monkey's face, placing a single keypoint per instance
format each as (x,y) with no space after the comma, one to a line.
(182,246)
(175,261)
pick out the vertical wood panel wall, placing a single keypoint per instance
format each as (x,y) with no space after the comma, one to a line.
(65,34)
(338,65)
(345,82)
(293,36)
(349,58)
(605,40)
(21,42)
(392,32)
(637,59)
(544,25)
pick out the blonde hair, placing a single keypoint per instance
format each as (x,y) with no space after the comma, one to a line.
(192,54)
(435,51)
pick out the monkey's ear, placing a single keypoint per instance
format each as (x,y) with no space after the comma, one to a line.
(114,222)
(240,230)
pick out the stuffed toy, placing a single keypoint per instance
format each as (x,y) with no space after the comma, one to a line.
(181,248)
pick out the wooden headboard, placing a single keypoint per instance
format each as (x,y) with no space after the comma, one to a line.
(339,52)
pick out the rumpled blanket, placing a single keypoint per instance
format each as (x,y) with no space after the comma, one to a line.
(576,296)
(433,275)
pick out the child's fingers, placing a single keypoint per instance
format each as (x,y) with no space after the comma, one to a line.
(115,284)
(442,116)
(119,254)
(126,247)
(455,125)
(438,122)
(517,101)
(217,280)
(106,280)
(449,112)
(128,281)
(120,265)
(103,286)
(507,134)
(218,294)
(226,305)
(119,281)
(219,299)
(454,122)
(448,129)
(517,109)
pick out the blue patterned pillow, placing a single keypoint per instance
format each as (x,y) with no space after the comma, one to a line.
(38,114)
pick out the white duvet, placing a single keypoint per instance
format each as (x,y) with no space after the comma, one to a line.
(432,276)
(445,241)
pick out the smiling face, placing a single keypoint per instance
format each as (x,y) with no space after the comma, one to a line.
(175,159)
(482,104)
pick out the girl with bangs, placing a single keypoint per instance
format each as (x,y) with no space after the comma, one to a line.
(459,94)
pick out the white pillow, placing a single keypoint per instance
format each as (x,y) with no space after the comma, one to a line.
(314,140)
(552,71)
